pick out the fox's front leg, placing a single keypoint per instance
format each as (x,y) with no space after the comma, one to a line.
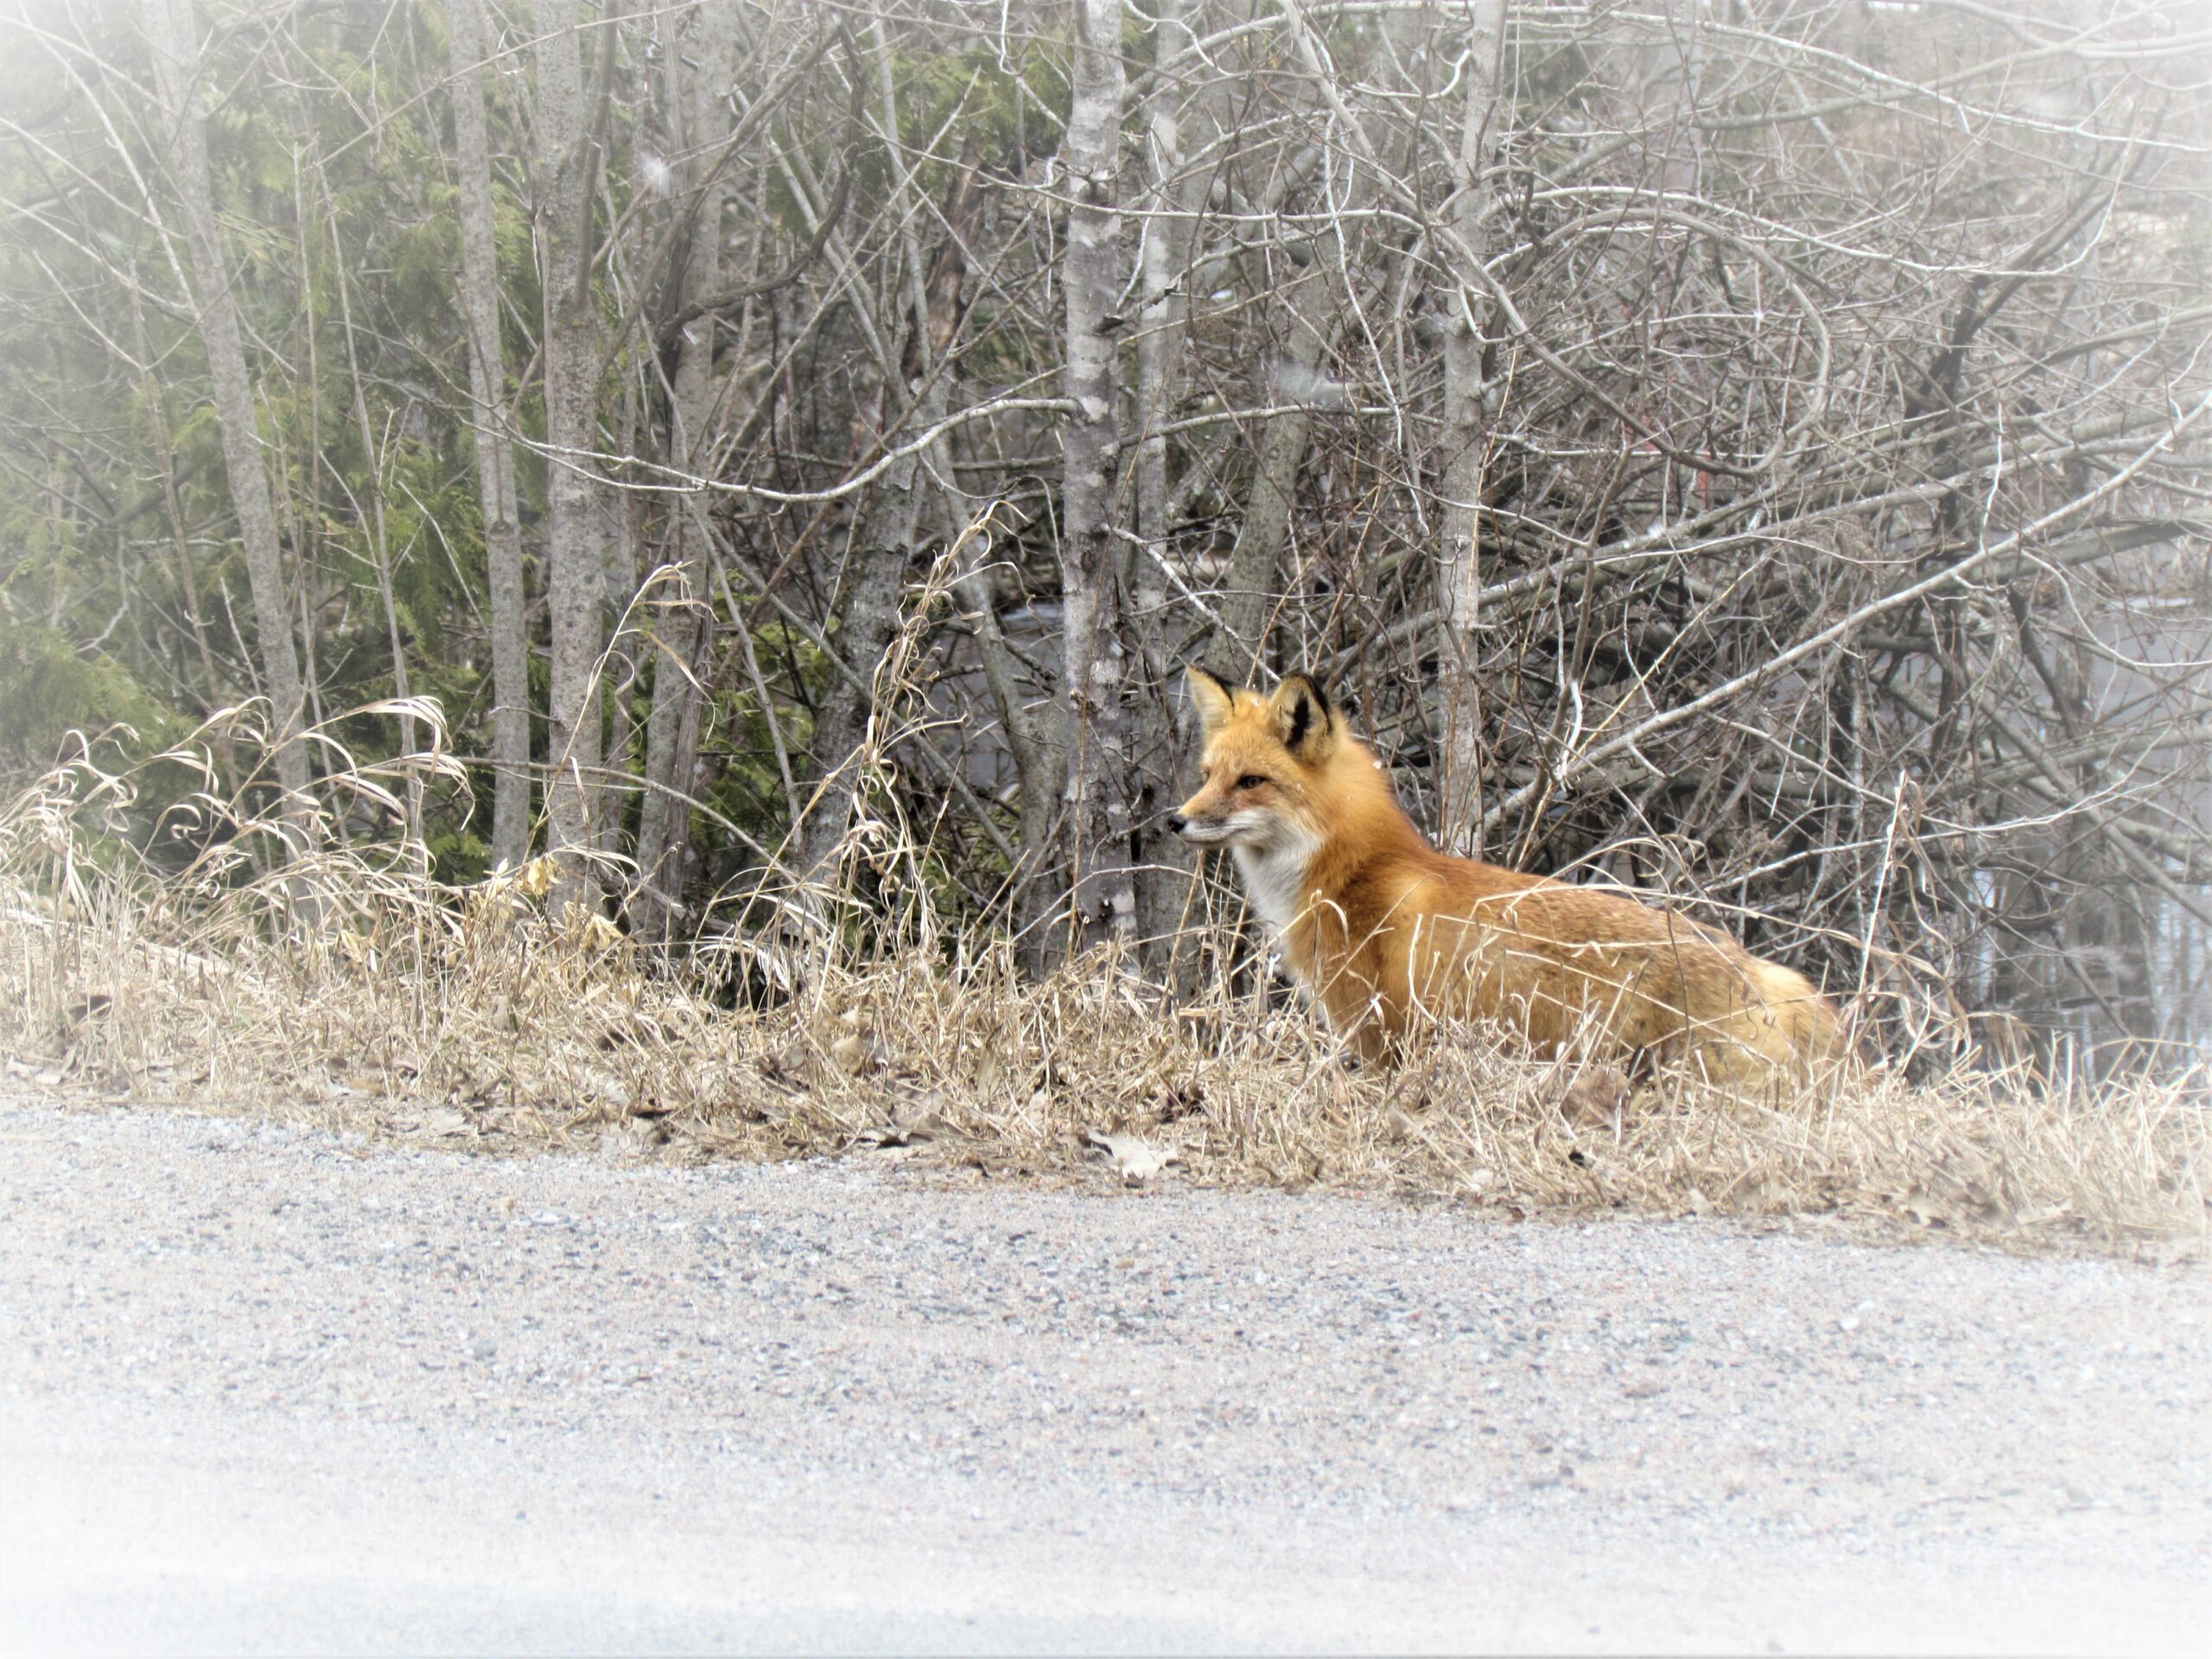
(1377,1046)
(1377,1030)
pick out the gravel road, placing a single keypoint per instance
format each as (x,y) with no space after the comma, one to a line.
(262,1388)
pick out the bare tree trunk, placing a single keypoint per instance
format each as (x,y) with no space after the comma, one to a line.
(1164,863)
(1465,441)
(567,151)
(380,539)
(1035,757)
(942,303)
(495,456)
(1095,661)
(170,29)
(624,699)
(1247,605)
(872,594)
(698,82)
(1252,593)
(869,606)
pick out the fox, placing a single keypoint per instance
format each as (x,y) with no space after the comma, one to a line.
(1388,934)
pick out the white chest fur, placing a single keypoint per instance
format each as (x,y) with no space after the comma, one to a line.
(1274,878)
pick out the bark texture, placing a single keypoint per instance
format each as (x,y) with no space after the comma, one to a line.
(577,545)
(697,83)
(507,620)
(1459,530)
(1165,865)
(1095,668)
(170,31)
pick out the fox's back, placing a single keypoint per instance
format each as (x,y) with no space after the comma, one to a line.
(1569,967)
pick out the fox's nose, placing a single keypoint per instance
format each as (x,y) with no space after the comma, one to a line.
(1177,823)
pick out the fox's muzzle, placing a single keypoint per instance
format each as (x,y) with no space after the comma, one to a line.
(1203,828)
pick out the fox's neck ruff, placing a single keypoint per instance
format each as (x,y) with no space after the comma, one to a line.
(1351,816)
(1275,875)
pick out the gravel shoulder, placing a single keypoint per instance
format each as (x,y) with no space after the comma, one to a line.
(261,1389)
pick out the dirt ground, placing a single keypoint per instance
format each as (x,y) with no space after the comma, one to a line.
(270,1388)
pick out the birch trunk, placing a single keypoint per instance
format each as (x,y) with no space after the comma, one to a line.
(1164,862)
(495,456)
(170,31)
(577,550)
(1465,441)
(1095,670)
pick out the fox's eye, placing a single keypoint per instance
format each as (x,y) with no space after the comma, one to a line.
(1250,780)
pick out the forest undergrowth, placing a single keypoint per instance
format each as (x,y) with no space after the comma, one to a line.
(205,966)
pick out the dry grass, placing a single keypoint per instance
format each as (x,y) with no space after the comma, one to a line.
(467,1018)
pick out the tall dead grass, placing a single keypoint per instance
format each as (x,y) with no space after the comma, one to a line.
(201,962)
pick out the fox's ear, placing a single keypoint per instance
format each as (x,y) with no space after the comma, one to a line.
(1209,698)
(1299,710)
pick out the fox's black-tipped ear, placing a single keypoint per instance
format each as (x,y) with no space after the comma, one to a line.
(1209,698)
(1303,719)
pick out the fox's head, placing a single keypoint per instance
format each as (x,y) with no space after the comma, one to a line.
(1265,760)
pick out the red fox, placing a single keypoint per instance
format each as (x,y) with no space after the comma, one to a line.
(1385,930)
